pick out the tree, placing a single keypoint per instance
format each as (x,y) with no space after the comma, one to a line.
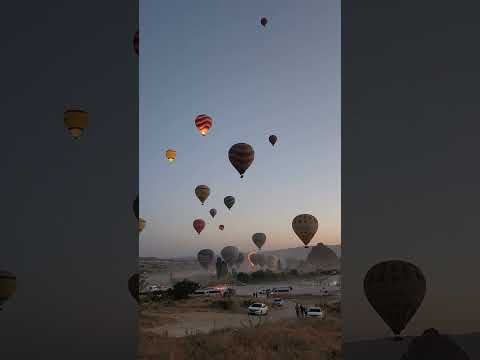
(243,277)
(182,289)
(218,266)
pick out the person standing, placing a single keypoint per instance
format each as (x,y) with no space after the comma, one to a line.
(297,310)
(301,311)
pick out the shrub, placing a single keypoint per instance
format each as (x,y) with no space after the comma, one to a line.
(182,289)
(243,277)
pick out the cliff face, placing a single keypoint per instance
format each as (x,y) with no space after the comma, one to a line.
(322,258)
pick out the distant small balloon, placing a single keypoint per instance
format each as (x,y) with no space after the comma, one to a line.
(272,139)
(203,123)
(221,227)
(264,21)
(229,201)
(199,225)
(213,212)
(76,121)
(259,240)
(171,155)
(202,192)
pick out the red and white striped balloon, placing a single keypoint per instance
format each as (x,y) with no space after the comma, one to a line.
(203,123)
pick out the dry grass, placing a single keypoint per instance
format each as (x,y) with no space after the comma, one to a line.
(286,340)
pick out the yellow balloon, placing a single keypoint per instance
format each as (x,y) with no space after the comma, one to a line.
(76,121)
(141,225)
(171,155)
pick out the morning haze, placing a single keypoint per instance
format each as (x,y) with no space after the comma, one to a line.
(284,79)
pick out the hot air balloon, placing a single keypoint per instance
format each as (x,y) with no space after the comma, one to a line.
(259,240)
(395,289)
(230,255)
(261,260)
(263,21)
(240,260)
(433,345)
(76,121)
(203,123)
(271,262)
(136,41)
(206,258)
(213,212)
(273,139)
(221,227)
(171,155)
(198,225)
(202,192)
(141,225)
(135,207)
(241,156)
(8,285)
(251,258)
(305,226)
(229,201)
(133,286)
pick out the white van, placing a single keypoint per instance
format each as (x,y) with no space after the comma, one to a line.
(282,290)
(214,292)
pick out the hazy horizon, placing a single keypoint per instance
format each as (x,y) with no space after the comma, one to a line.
(216,58)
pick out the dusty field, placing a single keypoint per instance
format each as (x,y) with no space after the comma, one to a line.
(197,329)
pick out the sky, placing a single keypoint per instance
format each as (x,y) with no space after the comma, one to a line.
(214,57)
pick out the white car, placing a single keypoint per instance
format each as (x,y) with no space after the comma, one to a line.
(316,312)
(278,302)
(258,309)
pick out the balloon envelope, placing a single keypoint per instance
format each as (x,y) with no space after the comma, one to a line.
(241,156)
(198,225)
(305,227)
(141,225)
(229,201)
(202,192)
(133,286)
(76,121)
(203,123)
(135,207)
(221,227)
(259,239)
(206,257)
(170,155)
(395,289)
(213,212)
(136,41)
(8,285)
(230,255)
(272,139)
(263,21)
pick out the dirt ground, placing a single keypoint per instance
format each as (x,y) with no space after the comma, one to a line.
(197,315)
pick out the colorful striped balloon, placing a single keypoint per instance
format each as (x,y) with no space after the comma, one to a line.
(229,201)
(241,156)
(171,155)
(203,123)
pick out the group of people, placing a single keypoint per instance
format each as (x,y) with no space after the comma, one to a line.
(301,311)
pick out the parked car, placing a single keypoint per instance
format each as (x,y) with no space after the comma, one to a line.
(316,312)
(278,302)
(258,309)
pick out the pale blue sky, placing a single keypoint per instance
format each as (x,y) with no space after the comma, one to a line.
(214,57)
